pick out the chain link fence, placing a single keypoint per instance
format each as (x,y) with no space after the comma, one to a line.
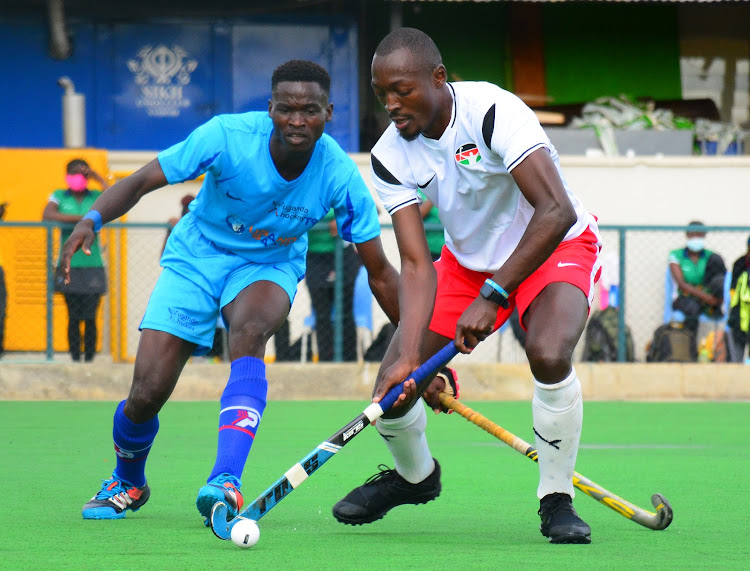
(640,254)
(354,327)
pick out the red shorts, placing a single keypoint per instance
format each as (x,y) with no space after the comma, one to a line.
(574,261)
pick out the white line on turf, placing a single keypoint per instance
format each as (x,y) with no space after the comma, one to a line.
(644,446)
(608,446)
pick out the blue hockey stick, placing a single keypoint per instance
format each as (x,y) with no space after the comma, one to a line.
(324,451)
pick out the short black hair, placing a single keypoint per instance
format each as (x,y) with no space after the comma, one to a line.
(301,70)
(696,226)
(75,164)
(416,41)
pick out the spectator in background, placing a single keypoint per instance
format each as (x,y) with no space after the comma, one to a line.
(699,275)
(739,309)
(3,291)
(88,282)
(320,278)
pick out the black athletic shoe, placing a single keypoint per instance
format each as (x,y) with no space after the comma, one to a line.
(383,491)
(560,522)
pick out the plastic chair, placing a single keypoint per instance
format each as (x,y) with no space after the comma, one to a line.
(362,313)
(308,332)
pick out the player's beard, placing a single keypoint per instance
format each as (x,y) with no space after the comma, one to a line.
(408,138)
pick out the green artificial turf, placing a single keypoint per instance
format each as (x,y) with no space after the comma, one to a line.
(55,453)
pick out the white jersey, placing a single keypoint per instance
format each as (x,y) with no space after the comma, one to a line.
(466,174)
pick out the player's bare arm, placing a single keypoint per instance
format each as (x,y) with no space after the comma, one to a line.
(112,204)
(382,277)
(417,288)
(540,183)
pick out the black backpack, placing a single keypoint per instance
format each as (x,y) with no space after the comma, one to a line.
(600,343)
(673,343)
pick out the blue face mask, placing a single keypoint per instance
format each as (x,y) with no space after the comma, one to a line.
(695,244)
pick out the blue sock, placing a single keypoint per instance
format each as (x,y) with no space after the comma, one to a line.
(132,445)
(242,406)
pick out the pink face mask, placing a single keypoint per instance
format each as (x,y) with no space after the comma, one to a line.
(76,182)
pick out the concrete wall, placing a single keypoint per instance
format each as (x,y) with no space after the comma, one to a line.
(662,190)
(619,190)
(659,382)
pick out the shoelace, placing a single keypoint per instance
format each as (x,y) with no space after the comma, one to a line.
(385,473)
(557,503)
(109,491)
(222,479)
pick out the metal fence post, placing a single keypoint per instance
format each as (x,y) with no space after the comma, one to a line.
(338,303)
(621,341)
(50,293)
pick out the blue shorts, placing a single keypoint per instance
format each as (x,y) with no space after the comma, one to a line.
(199,278)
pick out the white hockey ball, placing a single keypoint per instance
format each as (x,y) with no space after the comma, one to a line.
(245,533)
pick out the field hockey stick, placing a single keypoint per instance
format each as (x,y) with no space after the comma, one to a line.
(298,473)
(659,520)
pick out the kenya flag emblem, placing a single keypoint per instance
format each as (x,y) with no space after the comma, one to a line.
(468,154)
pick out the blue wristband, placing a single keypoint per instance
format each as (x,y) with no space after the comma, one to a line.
(96,217)
(496,287)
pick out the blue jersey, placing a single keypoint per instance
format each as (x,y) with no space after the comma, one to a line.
(246,207)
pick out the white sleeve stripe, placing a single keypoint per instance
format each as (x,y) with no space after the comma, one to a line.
(399,206)
(525,154)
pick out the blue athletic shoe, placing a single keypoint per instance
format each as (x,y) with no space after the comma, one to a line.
(223,488)
(115,497)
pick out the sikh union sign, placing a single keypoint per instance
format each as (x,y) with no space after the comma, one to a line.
(161,73)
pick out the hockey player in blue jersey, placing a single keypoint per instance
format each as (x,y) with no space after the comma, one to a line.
(239,252)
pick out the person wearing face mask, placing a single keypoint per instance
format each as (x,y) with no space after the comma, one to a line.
(83,293)
(699,276)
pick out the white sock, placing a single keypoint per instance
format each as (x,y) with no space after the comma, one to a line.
(407,442)
(557,411)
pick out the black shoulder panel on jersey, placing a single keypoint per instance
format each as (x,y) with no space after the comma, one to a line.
(488,126)
(382,172)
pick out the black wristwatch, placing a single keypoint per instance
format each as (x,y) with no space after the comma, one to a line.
(490,293)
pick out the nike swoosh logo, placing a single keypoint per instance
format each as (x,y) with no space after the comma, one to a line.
(423,186)
(566,264)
